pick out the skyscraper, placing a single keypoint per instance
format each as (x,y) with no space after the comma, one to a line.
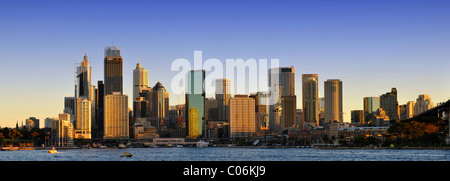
(333,101)
(83,126)
(195,98)
(113,76)
(289,111)
(116,122)
(223,95)
(242,116)
(116,114)
(389,103)
(281,83)
(140,80)
(99,111)
(311,100)
(84,86)
(159,105)
(423,103)
(371,104)
(286,80)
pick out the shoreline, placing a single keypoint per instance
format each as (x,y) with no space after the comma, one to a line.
(270,147)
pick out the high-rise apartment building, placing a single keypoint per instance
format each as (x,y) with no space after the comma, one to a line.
(242,116)
(333,101)
(310,99)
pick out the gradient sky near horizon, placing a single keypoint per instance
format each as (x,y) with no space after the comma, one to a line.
(371,46)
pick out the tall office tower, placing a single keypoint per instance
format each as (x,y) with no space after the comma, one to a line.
(195,98)
(357,117)
(389,103)
(371,104)
(85,89)
(289,108)
(333,101)
(286,80)
(311,100)
(223,95)
(283,86)
(113,76)
(423,103)
(116,123)
(99,110)
(159,105)
(83,126)
(140,80)
(242,116)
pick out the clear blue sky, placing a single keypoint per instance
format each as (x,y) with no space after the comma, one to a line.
(371,46)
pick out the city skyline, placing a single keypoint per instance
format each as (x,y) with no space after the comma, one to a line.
(414,66)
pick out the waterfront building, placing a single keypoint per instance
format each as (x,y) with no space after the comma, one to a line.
(333,101)
(116,118)
(310,99)
(389,103)
(195,98)
(423,103)
(242,116)
(62,130)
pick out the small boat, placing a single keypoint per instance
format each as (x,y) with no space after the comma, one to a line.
(126,154)
(53,150)
(122,146)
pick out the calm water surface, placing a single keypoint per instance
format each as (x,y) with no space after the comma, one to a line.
(228,154)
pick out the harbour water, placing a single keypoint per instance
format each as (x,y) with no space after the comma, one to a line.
(229,154)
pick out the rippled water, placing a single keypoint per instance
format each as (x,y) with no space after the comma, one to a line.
(228,154)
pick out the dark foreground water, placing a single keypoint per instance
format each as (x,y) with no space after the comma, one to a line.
(229,154)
